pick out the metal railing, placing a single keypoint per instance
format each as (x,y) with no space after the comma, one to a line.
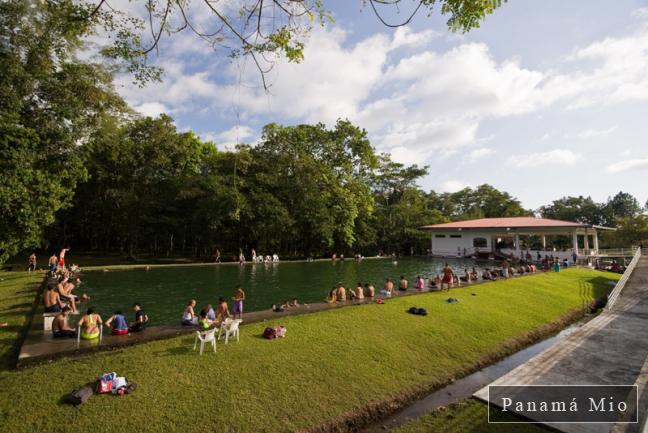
(614,294)
(618,252)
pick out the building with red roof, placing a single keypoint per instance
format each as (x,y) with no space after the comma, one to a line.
(517,236)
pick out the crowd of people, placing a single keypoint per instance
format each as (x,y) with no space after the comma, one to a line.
(59,298)
(208,317)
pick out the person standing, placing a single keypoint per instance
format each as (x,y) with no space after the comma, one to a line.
(448,276)
(32,262)
(506,268)
(61,261)
(239,297)
(222,311)
(254,259)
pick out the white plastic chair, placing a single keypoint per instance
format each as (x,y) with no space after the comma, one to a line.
(230,328)
(205,337)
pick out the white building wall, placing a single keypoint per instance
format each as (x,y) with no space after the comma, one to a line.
(453,243)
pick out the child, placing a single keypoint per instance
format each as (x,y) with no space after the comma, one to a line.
(239,297)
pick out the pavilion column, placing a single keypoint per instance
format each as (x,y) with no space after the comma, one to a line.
(517,244)
(596,245)
(575,242)
(587,246)
(544,242)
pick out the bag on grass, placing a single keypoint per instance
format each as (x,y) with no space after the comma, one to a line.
(105,383)
(280,331)
(79,396)
(269,333)
(119,382)
(412,310)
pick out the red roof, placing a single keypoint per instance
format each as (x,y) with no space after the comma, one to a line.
(512,222)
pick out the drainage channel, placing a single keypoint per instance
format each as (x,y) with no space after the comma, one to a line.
(465,387)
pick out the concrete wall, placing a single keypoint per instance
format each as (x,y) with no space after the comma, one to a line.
(453,243)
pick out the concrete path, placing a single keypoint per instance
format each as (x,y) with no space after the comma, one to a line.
(611,349)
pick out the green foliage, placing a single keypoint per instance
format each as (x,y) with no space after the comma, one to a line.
(465,15)
(579,209)
(230,389)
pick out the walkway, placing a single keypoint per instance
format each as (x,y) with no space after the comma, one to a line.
(611,349)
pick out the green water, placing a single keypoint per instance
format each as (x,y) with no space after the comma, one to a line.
(163,292)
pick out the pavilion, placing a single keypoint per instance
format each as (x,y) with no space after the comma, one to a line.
(490,236)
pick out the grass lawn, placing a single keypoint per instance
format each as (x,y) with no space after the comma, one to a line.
(332,365)
(467,416)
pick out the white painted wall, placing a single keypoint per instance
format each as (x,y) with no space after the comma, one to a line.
(454,246)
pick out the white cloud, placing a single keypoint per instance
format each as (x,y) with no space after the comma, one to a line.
(630,164)
(480,153)
(590,133)
(552,157)
(641,13)
(453,186)
(151,109)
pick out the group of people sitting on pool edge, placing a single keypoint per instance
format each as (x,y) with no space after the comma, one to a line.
(207,317)
(91,323)
(447,278)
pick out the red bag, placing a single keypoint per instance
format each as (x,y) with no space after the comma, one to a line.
(104,386)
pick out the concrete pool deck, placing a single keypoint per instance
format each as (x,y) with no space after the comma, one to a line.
(611,349)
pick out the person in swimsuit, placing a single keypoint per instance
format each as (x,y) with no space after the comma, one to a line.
(419,283)
(65,291)
(341,293)
(403,284)
(60,326)
(359,291)
(448,277)
(388,289)
(52,300)
(239,297)
(332,296)
(222,311)
(189,316)
(371,290)
(61,261)
(53,263)
(32,262)
(90,324)
(140,319)
(118,324)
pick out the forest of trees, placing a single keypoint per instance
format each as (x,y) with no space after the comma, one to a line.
(80,168)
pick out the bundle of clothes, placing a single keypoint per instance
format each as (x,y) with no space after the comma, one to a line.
(109,383)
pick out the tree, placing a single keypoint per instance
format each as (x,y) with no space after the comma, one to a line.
(622,205)
(49,105)
(260,29)
(577,209)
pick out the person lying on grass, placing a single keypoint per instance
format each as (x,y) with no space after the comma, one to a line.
(118,324)
(60,326)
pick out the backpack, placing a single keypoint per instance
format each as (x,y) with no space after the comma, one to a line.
(79,396)
(105,383)
(269,333)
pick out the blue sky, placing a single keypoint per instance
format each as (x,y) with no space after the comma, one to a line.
(546,99)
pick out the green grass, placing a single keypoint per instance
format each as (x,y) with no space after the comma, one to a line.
(17,292)
(467,416)
(331,365)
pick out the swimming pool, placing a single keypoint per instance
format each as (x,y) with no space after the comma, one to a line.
(163,292)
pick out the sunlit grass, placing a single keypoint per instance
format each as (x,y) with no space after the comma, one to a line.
(330,365)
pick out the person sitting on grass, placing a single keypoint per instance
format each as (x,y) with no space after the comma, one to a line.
(189,316)
(118,324)
(52,300)
(341,293)
(332,296)
(371,290)
(90,324)
(140,319)
(222,311)
(60,326)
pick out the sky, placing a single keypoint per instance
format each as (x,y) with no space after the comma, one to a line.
(546,99)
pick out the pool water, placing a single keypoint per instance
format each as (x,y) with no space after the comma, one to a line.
(164,292)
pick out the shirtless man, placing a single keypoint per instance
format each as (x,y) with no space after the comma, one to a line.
(389,287)
(448,277)
(65,290)
(359,291)
(60,326)
(53,262)
(52,300)
(222,311)
(403,283)
(341,292)
(371,290)
(239,297)
(61,261)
